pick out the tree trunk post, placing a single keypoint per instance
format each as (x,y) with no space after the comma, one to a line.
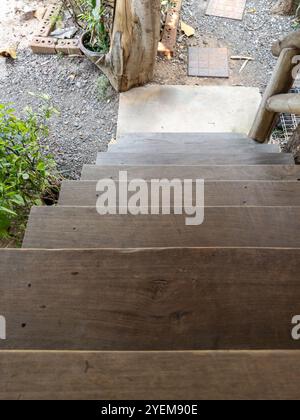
(293,145)
(134,42)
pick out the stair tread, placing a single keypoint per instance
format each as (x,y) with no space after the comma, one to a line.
(83,227)
(219,172)
(190,148)
(209,375)
(253,158)
(179,142)
(179,138)
(217,193)
(193,148)
(150,299)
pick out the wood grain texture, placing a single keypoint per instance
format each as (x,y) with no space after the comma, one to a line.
(83,227)
(133,44)
(184,138)
(217,193)
(285,103)
(263,375)
(253,158)
(206,149)
(220,172)
(184,142)
(150,299)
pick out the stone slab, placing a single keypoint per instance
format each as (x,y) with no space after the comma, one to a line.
(188,109)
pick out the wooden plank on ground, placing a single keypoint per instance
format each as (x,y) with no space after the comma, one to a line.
(217,193)
(83,227)
(237,375)
(221,172)
(150,299)
(253,158)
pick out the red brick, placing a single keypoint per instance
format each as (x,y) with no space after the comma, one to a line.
(68,46)
(44,29)
(52,12)
(43,45)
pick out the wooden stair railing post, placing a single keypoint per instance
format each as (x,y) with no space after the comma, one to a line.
(281,82)
(134,42)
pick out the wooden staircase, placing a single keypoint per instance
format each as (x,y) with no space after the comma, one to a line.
(144,307)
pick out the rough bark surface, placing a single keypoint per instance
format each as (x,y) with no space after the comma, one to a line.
(293,145)
(134,42)
(283,7)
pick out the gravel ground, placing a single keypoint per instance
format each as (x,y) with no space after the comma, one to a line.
(253,36)
(88,122)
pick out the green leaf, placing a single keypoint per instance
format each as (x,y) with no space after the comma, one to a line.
(7,211)
(41,166)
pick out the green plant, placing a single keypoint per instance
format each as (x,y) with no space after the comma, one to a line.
(102,86)
(27,174)
(94,18)
(166,4)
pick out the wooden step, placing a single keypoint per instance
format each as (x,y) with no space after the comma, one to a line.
(181,375)
(83,227)
(206,149)
(194,159)
(181,143)
(185,138)
(150,299)
(220,172)
(217,193)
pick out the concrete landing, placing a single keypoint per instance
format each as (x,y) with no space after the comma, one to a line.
(214,109)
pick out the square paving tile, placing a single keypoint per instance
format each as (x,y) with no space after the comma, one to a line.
(208,62)
(232,9)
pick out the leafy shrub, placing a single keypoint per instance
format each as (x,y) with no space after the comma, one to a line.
(27,174)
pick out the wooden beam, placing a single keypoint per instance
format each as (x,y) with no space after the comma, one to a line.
(150,299)
(281,82)
(189,375)
(285,103)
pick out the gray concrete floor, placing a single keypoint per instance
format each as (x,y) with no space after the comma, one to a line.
(219,109)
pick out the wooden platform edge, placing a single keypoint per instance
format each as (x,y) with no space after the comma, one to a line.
(181,375)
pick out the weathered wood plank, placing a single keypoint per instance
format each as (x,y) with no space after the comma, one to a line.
(83,227)
(217,193)
(224,158)
(182,143)
(262,375)
(217,150)
(150,299)
(184,138)
(220,172)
